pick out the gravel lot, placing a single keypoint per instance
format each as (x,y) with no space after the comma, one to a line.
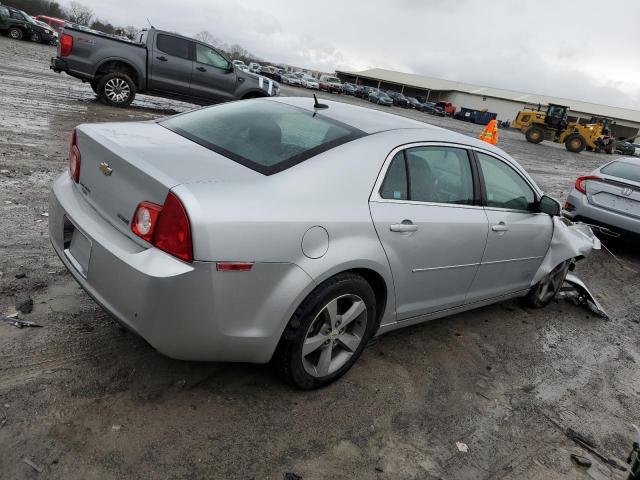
(80,399)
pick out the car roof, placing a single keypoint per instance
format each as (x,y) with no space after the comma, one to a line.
(364,119)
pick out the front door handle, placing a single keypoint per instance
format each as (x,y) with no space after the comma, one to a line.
(405,226)
(500,227)
(162,58)
(202,69)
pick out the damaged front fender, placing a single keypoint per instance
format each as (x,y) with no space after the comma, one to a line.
(569,241)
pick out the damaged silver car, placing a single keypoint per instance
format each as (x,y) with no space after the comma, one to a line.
(289,231)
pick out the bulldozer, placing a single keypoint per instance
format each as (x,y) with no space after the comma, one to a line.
(552,124)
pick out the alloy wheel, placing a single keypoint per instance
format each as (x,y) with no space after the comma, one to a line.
(334,335)
(117,90)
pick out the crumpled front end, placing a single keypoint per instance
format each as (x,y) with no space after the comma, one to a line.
(569,241)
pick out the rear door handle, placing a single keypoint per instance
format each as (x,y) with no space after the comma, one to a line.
(405,226)
(500,227)
(162,58)
(202,69)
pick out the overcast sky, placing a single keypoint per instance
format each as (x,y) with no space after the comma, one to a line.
(586,50)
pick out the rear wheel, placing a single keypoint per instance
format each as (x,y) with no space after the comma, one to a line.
(534,134)
(546,289)
(327,333)
(15,33)
(116,89)
(575,143)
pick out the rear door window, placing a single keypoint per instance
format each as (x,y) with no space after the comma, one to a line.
(178,47)
(430,174)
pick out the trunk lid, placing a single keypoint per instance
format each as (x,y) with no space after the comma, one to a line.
(615,195)
(123,164)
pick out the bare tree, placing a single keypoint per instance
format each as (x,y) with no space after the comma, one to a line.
(236,52)
(79,13)
(131,31)
(208,37)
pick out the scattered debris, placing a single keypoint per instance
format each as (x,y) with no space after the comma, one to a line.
(580,460)
(379,469)
(44,214)
(579,294)
(462,447)
(35,466)
(291,476)
(25,305)
(590,446)
(20,275)
(12,320)
(4,172)
(116,428)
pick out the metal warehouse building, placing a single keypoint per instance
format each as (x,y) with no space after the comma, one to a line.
(506,103)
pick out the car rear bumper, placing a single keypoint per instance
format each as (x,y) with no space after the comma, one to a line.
(185,311)
(58,65)
(579,208)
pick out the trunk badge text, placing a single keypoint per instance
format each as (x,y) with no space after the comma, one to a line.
(106,169)
(627,191)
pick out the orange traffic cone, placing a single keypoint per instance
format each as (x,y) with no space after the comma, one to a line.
(490,133)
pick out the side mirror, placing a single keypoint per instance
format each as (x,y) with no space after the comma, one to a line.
(549,205)
(230,67)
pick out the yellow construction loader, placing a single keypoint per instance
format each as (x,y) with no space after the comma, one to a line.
(538,125)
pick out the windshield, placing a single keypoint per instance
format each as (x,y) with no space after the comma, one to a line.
(333,80)
(29,19)
(266,136)
(625,170)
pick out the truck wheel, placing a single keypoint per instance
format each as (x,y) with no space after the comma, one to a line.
(534,134)
(575,143)
(35,37)
(116,89)
(15,33)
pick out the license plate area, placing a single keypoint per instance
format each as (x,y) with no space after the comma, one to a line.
(77,247)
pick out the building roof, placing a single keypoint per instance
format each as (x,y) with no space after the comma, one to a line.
(430,83)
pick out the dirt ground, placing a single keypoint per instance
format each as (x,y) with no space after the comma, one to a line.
(80,399)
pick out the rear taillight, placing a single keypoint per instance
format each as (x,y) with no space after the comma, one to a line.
(580,182)
(145,220)
(74,157)
(66,45)
(166,227)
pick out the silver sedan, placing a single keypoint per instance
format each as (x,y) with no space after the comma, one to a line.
(289,231)
(609,197)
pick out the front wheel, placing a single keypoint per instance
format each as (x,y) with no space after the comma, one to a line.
(35,37)
(575,143)
(116,89)
(327,333)
(546,289)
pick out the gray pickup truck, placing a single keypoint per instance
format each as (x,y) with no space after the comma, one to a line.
(159,63)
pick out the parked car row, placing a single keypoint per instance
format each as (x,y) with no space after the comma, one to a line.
(20,26)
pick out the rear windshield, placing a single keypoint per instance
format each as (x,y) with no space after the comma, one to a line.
(627,171)
(263,135)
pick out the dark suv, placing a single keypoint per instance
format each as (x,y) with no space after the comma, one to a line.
(16,28)
(38,32)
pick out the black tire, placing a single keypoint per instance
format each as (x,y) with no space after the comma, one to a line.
(15,33)
(35,37)
(288,359)
(109,83)
(575,143)
(546,289)
(535,134)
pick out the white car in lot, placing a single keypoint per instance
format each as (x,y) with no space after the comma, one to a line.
(310,82)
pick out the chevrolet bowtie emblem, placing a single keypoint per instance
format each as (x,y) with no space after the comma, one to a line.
(106,169)
(627,191)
